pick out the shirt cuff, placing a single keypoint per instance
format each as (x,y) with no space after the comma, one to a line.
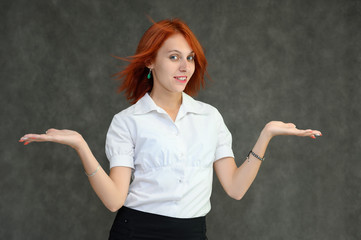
(121,161)
(222,152)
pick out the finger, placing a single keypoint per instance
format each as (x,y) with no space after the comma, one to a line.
(305,132)
(25,138)
(312,133)
(317,134)
(302,133)
(35,138)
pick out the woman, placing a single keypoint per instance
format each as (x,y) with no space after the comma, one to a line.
(167,143)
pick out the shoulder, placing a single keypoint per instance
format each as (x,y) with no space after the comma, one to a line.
(199,107)
(142,106)
(126,113)
(125,119)
(208,109)
(121,121)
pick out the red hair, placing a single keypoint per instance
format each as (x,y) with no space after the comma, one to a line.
(135,82)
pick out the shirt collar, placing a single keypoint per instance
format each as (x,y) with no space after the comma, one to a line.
(146,105)
(191,105)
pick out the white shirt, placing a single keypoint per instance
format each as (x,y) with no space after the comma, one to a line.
(172,161)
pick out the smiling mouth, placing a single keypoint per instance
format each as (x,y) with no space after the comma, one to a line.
(182,78)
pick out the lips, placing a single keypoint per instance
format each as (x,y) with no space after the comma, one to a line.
(181,78)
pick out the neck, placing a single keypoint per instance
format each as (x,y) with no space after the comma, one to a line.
(170,101)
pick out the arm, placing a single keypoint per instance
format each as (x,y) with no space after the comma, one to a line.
(236,181)
(112,189)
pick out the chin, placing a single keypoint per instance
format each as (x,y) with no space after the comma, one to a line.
(180,90)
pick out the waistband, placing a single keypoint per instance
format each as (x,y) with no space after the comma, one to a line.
(149,217)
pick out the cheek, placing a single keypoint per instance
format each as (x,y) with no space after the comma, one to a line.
(168,67)
(192,68)
(162,69)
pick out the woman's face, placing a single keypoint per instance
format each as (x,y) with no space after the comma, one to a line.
(173,66)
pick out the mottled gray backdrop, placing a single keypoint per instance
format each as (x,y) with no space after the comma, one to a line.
(295,61)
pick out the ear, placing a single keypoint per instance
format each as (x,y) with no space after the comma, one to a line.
(149,64)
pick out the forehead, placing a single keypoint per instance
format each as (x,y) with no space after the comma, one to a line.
(176,42)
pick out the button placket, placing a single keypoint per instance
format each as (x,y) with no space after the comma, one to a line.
(180,154)
(176,130)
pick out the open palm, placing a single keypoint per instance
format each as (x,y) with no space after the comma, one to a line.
(67,137)
(276,128)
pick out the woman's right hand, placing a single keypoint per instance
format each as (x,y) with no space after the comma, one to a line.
(67,137)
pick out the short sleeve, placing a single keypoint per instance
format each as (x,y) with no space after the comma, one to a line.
(224,141)
(119,146)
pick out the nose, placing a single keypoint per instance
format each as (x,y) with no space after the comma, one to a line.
(183,67)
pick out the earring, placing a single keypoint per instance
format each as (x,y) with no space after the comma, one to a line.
(149,74)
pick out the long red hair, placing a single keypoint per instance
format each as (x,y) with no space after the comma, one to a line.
(135,82)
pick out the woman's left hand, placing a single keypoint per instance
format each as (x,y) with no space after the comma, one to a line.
(276,128)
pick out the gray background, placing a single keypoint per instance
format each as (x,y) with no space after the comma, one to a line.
(295,61)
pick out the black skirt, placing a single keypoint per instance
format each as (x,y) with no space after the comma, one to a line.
(137,225)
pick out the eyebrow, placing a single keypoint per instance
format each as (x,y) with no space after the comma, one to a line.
(178,51)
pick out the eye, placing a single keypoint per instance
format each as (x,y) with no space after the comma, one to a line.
(190,58)
(174,57)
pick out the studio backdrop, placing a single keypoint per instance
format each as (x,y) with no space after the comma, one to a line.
(293,61)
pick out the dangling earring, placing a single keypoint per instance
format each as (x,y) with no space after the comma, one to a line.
(149,74)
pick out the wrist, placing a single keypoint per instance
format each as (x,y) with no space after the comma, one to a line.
(266,134)
(80,144)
